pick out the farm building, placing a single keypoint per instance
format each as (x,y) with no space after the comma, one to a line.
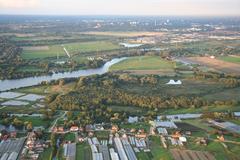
(74,128)
(104,150)
(128,148)
(164,124)
(113,154)
(180,116)
(70,151)
(10,149)
(132,119)
(229,126)
(120,149)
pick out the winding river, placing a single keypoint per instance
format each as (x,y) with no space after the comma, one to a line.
(31,81)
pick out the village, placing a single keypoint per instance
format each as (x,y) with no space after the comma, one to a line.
(125,141)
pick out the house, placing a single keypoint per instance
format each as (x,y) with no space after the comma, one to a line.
(58,129)
(173,82)
(162,131)
(114,128)
(89,128)
(74,129)
(141,135)
(183,139)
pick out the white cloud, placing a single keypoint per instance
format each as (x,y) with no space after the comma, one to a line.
(18,4)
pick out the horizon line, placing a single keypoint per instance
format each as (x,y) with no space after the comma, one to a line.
(120,15)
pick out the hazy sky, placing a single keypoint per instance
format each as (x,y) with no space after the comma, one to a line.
(121,7)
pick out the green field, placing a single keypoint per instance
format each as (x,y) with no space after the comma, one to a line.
(144,63)
(69,137)
(73,48)
(83,152)
(46,154)
(36,121)
(230,59)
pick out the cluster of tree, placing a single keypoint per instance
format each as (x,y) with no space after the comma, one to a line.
(150,79)
(218,115)
(230,81)
(93,94)
(16,122)
(9,53)
(95,63)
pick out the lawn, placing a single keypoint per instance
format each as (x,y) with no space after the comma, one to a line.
(144,63)
(72,48)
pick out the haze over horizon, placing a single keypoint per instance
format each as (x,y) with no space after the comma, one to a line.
(123,7)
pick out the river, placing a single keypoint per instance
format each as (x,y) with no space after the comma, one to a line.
(31,81)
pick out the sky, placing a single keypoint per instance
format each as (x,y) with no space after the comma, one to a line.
(122,7)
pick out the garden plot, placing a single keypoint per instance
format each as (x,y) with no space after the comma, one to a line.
(10,95)
(31,97)
(14,103)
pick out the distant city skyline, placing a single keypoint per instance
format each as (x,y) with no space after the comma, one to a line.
(122,7)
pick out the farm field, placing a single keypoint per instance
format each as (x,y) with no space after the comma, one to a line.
(191,155)
(215,148)
(73,48)
(148,64)
(125,34)
(227,94)
(222,66)
(199,123)
(232,59)
(189,87)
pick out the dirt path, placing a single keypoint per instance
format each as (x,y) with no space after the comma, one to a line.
(55,121)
